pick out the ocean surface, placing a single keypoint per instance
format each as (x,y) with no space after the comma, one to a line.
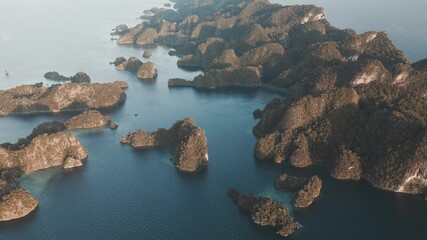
(122,193)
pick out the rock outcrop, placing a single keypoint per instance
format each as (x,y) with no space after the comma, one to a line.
(147,71)
(143,71)
(56,76)
(266,212)
(188,140)
(147,54)
(61,98)
(90,119)
(80,77)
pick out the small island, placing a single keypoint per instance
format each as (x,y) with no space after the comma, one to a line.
(188,140)
(67,97)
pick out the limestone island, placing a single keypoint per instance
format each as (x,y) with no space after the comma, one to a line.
(266,212)
(143,71)
(90,119)
(80,77)
(47,146)
(67,97)
(188,140)
(307,190)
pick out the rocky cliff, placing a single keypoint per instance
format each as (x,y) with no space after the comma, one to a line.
(60,98)
(188,140)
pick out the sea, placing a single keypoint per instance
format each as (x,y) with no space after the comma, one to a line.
(125,193)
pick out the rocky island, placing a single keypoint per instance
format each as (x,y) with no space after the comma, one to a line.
(36,98)
(47,146)
(90,119)
(143,71)
(266,212)
(80,77)
(188,140)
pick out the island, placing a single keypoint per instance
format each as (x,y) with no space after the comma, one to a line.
(90,119)
(67,97)
(80,77)
(47,146)
(307,190)
(185,137)
(143,71)
(266,212)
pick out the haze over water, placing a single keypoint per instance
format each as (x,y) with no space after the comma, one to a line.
(122,193)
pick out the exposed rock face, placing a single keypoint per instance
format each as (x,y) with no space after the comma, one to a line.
(308,193)
(55,76)
(266,212)
(80,77)
(59,98)
(188,140)
(90,119)
(147,54)
(228,77)
(147,71)
(17,204)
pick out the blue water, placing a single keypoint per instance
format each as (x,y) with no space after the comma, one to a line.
(122,193)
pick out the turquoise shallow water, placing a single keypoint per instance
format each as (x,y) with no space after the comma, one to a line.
(122,193)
